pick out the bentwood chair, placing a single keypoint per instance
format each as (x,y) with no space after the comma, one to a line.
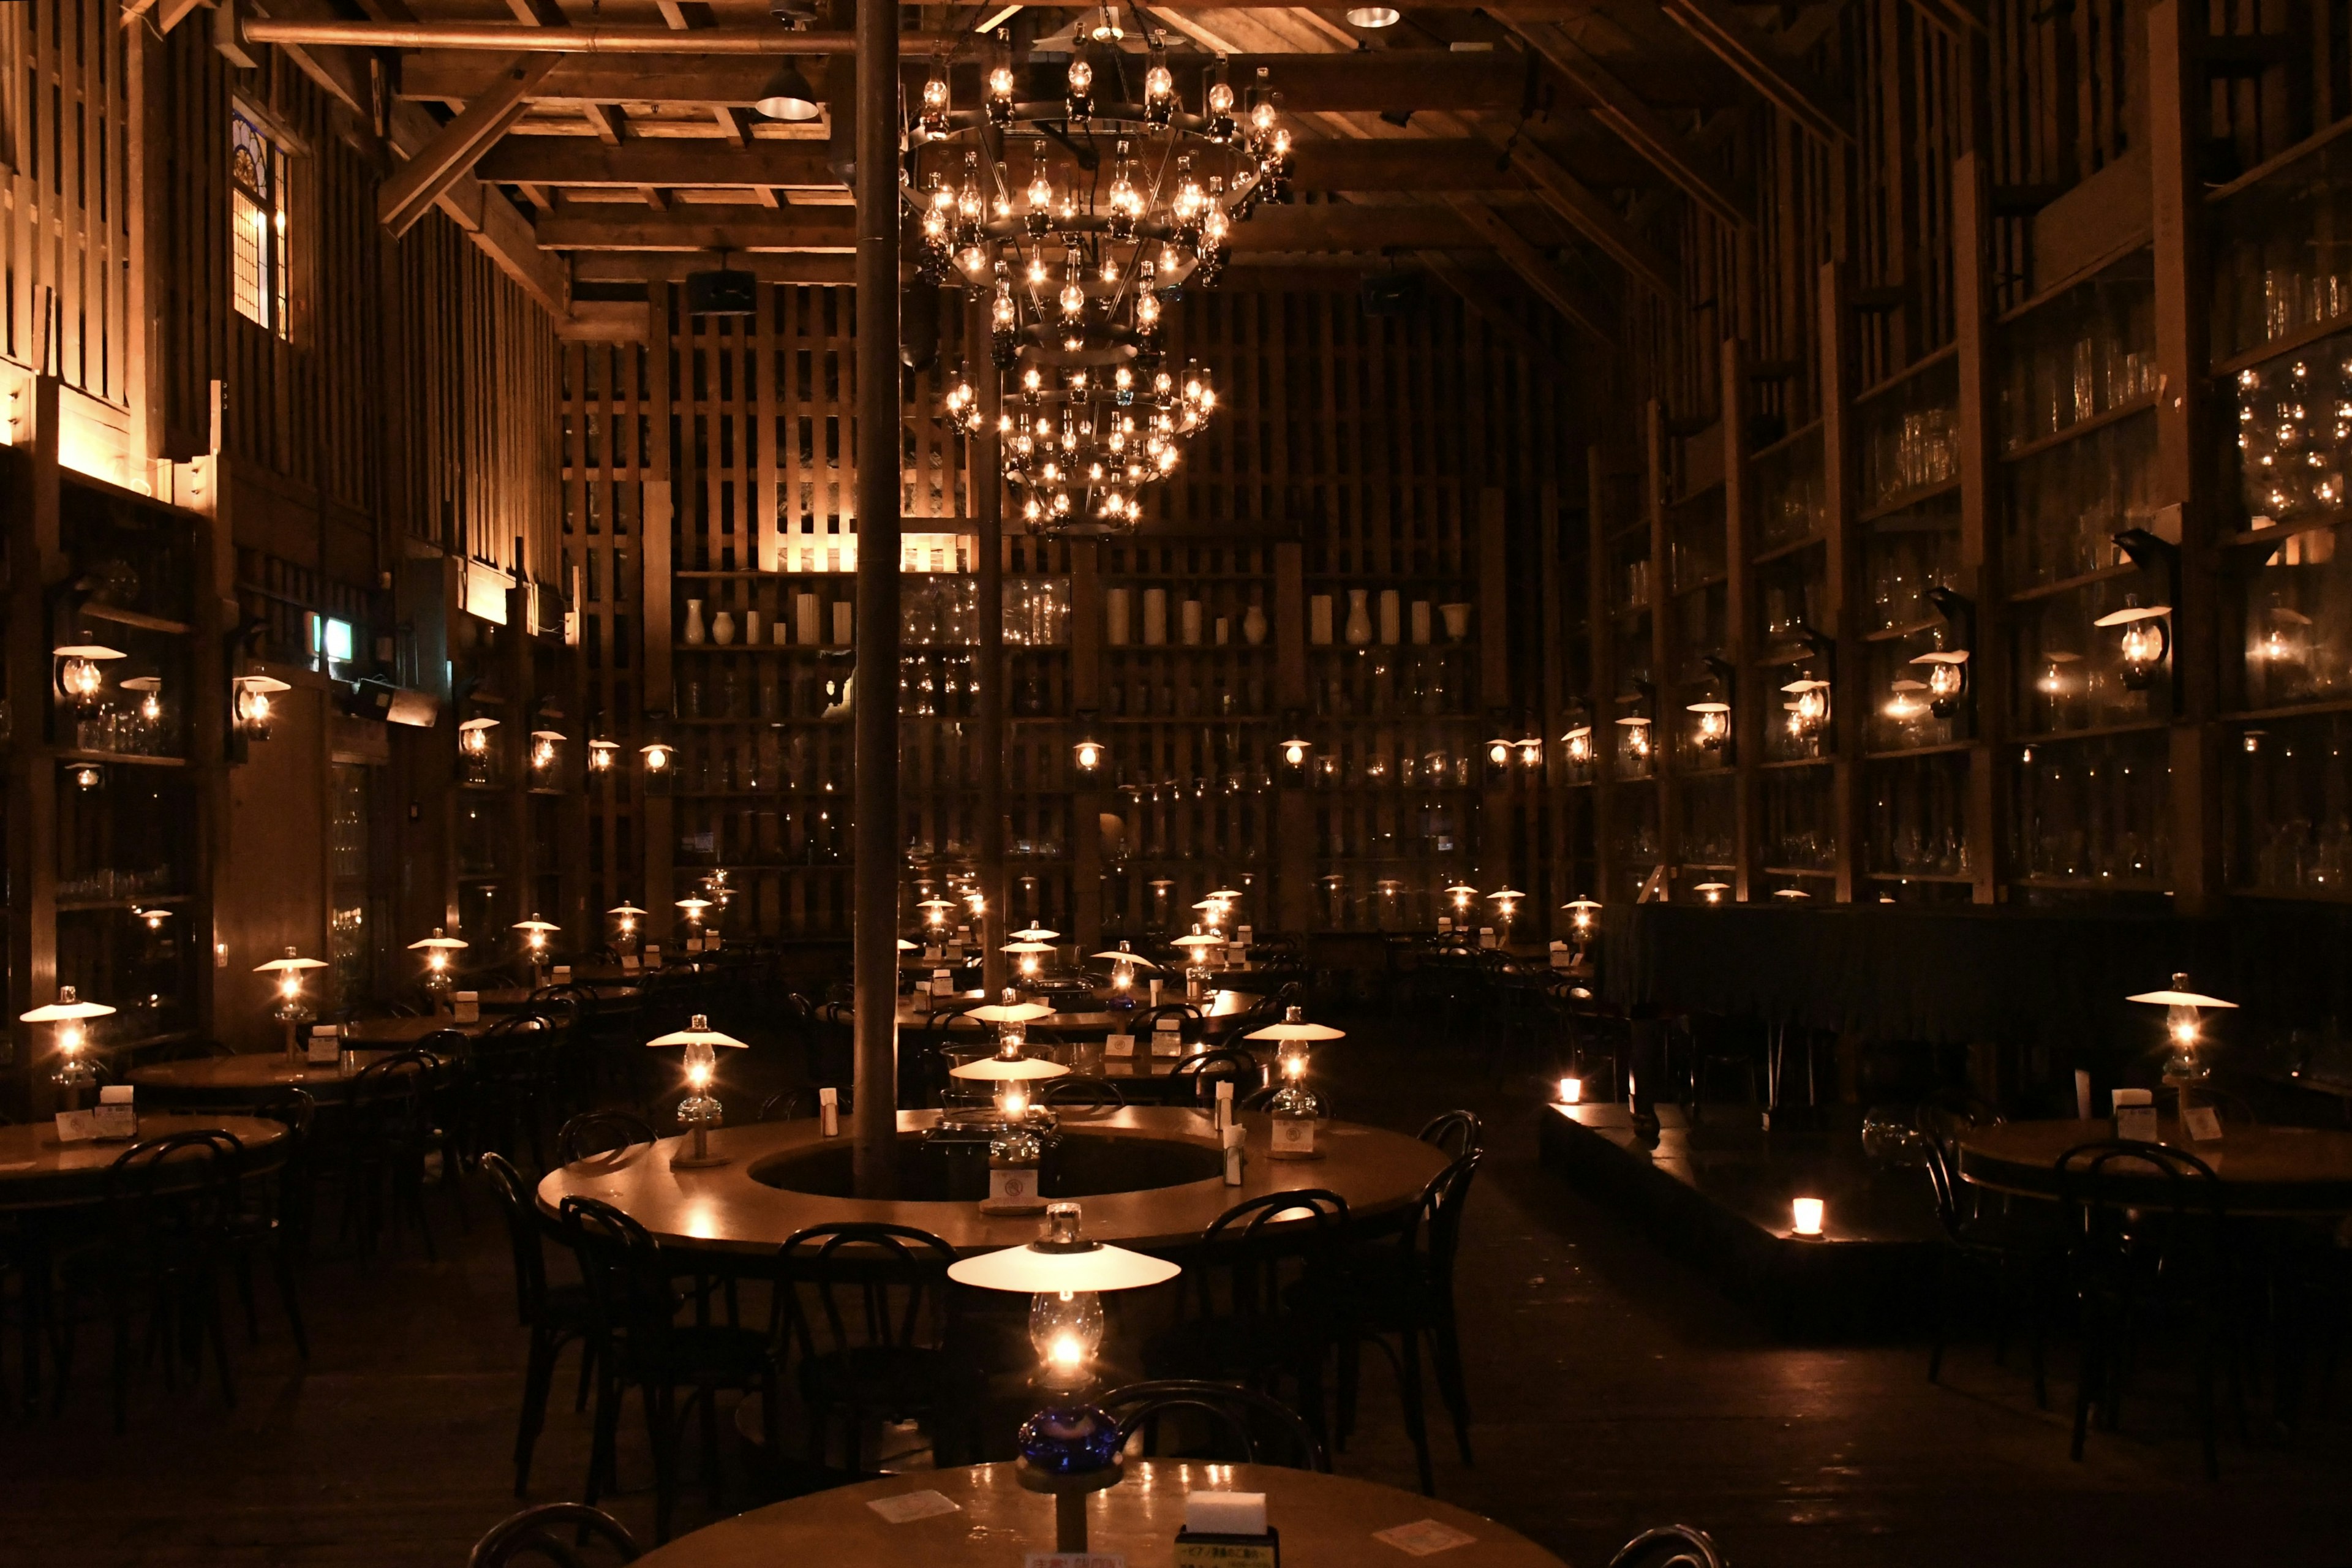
(1194,1080)
(275,1222)
(867,1311)
(1082,1091)
(167,1206)
(2156,1269)
(1669,1546)
(2019,1260)
(393,1130)
(593,1132)
(532,1536)
(634,1310)
(1256,1314)
(554,1314)
(1246,1426)
(1455,1132)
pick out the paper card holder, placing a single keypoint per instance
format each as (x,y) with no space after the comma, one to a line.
(1207,1549)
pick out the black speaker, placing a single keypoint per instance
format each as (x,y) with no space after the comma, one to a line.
(1390,293)
(722,291)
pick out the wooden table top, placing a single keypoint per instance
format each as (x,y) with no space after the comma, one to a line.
(515,999)
(251,1075)
(915,1013)
(408,1031)
(2263,1170)
(1325,1521)
(726,1208)
(38,1172)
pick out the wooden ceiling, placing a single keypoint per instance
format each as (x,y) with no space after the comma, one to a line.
(588,148)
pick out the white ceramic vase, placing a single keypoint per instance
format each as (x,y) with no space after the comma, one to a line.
(693,635)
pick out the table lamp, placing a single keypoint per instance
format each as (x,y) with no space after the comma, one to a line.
(1124,964)
(1461,893)
(625,924)
(694,905)
(71,1014)
(1712,891)
(1196,961)
(1012,1018)
(292,1007)
(1070,1447)
(1581,918)
(439,981)
(1507,908)
(534,942)
(935,913)
(2182,1063)
(1028,955)
(699,1112)
(1293,1106)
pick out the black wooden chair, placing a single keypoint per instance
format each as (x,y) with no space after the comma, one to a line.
(2019,1255)
(394,1129)
(164,1235)
(1245,1428)
(556,1315)
(2152,1264)
(634,1310)
(1256,1314)
(532,1536)
(593,1132)
(1455,1132)
(1669,1546)
(274,1222)
(1082,1091)
(868,1309)
(1193,1081)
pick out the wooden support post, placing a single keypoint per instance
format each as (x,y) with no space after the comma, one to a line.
(988,515)
(1665,732)
(1980,575)
(1293,837)
(1086,801)
(2188,484)
(29,528)
(875,914)
(1496,848)
(1755,689)
(1600,698)
(657,826)
(1841,578)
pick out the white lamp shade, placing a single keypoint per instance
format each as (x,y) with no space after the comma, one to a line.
(1289,1031)
(534,925)
(1028,947)
(704,1035)
(1029,1271)
(1135,959)
(65,1012)
(1009,1013)
(1017,1069)
(2178,999)
(905,946)
(436,940)
(624,910)
(289,964)
(1035,934)
(692,904)
(479,724)
(1201,941)
(1507,893)
(92,651)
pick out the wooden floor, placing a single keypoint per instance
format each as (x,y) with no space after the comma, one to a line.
(1613,1389)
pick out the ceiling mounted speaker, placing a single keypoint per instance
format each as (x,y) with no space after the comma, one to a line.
(918,325)
(722,291)
(1390,293)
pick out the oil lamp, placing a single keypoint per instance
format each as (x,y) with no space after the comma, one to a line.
(1293,1106)
(1714,730)
(1580,917)
(1294,752)
(1948,679)
(1808,707)
(292,1007)
(935,912)
(1498,752)
(251,706)
(152,918)
(150,689)
(81,674)
(694,904)
(600,753)
(1124,964)
(88,777)
(1636,738)
(1712,891)
(71,1015)
(474,737)
(658,755)
(1461,893)
(1089,756)
(1904,702)
(1029,957)
(2182,1063)
(439,981)
(534,942)
(2143,641)
(699,1112)
(625,924)
(1531,752)
(1070,1447)
(1579,742)
(1196,947)
(546,751)
(1211,911)
(1506,907)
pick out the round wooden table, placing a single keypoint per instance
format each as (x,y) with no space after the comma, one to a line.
(728,1209)
(249,1078)
(517,998)
(1325,1521)
(2263,1170)
(397,1033)
(36,1172)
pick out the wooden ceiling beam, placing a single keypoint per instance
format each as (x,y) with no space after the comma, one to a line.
(1478,297)
(1538,272)
(1750,52)
(453,150)
(1614,105)
(1590,214)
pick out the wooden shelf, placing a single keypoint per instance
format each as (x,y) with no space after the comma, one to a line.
(1784,764)
(1896,633)
(1905,500)
(139,620)
(1936,879)
(2144,404)
(1774,449)
(1918,367)
(1943,749)
(2066,585)
(2090,885)
(2323,709)
(1820,874)
(2098,733)
(2279,533)
(1779,551)
(127,759)
(2279,348)
(156,900)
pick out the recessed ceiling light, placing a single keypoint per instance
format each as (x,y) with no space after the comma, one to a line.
(1373,16)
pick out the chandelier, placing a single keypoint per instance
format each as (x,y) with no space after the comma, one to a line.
(1080,201)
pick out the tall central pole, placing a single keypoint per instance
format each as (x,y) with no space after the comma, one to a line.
(988,517)
(875,920)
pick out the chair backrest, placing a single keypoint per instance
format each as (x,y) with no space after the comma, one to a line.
(1196,1076)
(630,1295)
(2158,1208)
(1669,1546)
(566,1535)
(600,1132)
(522,1236)
(1248,1246)
(801,1104)
(393,1092)
(185,1184)
(1077,1088)
(1255,1428)
(874,1286)
(1455,1132)
(1443,1202)
(1940,1186)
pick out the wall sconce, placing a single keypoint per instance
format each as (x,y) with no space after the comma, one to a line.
(71,1016)
(1808,708)
(2253,742)
(1088,750)
(1713,735)
(601,753)
(81,675)
(1579,742)
(1531,752)
(2144,641)
(2053,682)
(1499,754)
(658,755)
(2285,640)
(546,751)
(1947,667)
(150,689)
(250,706)
(153,918)
(1636,737)
(2182,1063)
(474,748)
(1793,894)
(1294,751)
(1906,701)
(88,778)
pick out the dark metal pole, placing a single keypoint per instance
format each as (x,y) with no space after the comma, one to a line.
(875,918)
(988,515)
